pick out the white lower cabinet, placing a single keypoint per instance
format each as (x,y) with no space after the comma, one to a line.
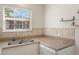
(35,49)
(30,49)
(44,50)
(67,51)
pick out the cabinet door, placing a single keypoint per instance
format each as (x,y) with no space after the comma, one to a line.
(67,51)
(31,49)
(43,50)
(77,40)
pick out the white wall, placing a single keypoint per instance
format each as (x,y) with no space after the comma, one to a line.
(37,20)
(55,12)
(37,13)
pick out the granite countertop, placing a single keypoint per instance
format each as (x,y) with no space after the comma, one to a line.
(54,42)
(51,42)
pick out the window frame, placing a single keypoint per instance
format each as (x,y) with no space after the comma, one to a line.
(17,19)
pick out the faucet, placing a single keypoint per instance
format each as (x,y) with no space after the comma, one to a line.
(13,39)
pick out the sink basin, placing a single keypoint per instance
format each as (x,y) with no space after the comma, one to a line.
(20,41)
(16,42)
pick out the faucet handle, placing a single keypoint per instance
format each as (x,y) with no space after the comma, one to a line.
(9,43)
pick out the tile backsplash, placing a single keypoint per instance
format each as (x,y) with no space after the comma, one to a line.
(60,32)
(35,31)
(57,32)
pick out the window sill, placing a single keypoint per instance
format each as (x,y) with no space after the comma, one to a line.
(17,30)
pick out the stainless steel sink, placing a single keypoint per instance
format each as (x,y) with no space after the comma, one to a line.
(21,41)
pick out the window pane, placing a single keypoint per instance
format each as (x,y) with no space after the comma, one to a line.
(21,13)
(9,24)
(25,25)
(18,24)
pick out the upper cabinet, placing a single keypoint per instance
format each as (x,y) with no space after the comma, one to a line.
(17,19)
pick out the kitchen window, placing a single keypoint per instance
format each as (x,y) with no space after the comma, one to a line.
(16,19)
